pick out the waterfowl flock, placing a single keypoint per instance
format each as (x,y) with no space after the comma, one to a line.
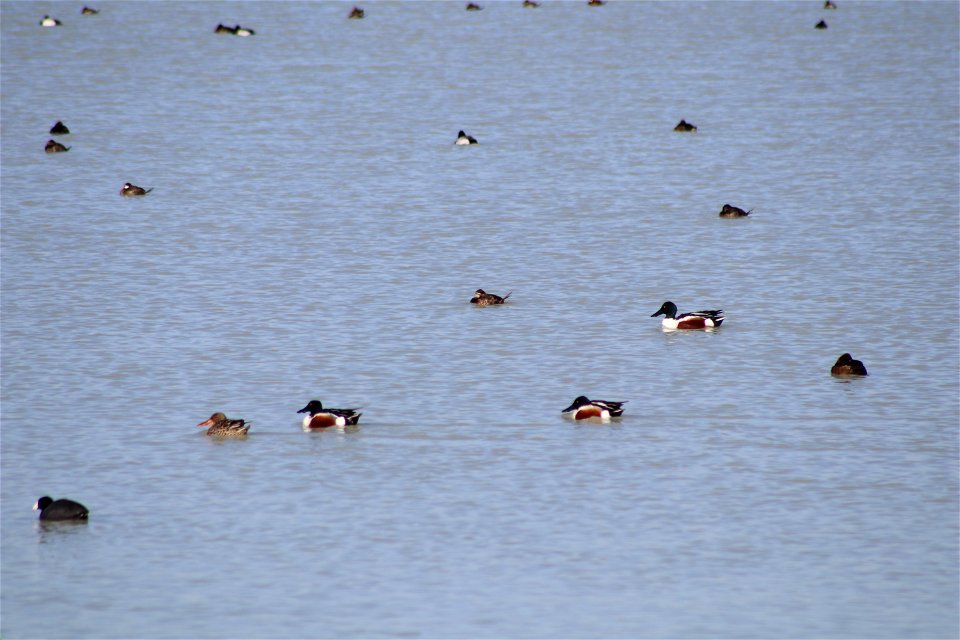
(318,417)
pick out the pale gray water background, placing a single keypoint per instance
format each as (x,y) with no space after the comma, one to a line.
(314,233)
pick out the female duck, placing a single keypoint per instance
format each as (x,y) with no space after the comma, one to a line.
(223,427)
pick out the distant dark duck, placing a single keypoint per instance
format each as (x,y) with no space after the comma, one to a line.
(473,7)
(50,22)
(829,4)
(683,125)
(59,129)
(847,366)
(317,417)
(483,299)
(531,4)
(61,509)
(223,427)
(356,13)
(55,147)
(133,190)
(595,3)
(89,11)
(821,25)
(730,211)
(221,28)
(584,408)
(463,138)
(693,320)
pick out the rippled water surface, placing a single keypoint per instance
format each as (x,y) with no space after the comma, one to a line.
(314,233)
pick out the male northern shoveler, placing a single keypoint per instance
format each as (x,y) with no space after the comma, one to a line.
(730,211)
(483,299)
(693,320)
(847,366)
(356,13)
(53,146)
(62,509)
(317,417)
(584,408)
(243,32)
(223,427)
(463,138)
(683,125)
(133,190)
(59,129)
(50,22)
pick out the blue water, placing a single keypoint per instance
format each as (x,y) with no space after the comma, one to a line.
(314,233)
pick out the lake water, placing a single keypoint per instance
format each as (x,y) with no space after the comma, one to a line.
(314,233)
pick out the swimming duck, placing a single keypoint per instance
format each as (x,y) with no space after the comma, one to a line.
(50,22)
(243,32)
(531,4)
(62,509)
(829,4)
(693,320)
(473,7)
(729,211)
(584,408)
(821,25)
(317,417)
(683,125)
(483,299)
(89,11)
(463,138)
(59,129)
(223,427)
(356,13)
(847,366)
(55,147)
(133,190)
(222,28)
(595,3)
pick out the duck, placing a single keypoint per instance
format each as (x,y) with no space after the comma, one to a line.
(531,4)
(50,22)
(356,13)
(55,147)
(829,4)
(89,11)
(584,408)
(683,125)
(693,320)
(59,129)
(483,299)
(62,509)
(463,138)
(133,190)
(730,211)
(317,417)
(821,25)
(222,28)
(471,6)
(595,3)
(847,366)
(223,427)
(243,32)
